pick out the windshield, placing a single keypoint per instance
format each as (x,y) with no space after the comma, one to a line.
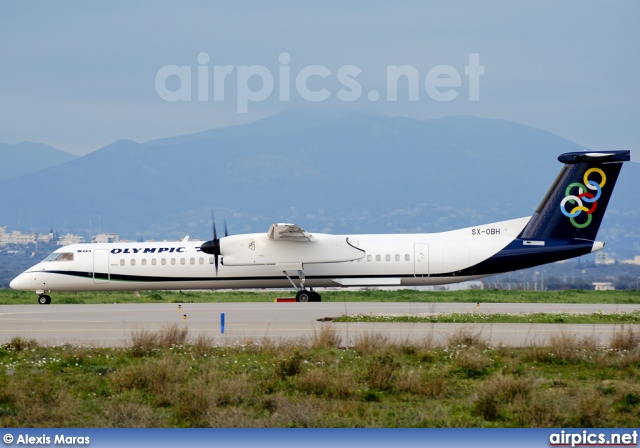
(60,256)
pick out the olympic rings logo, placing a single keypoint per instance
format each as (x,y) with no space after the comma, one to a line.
(583,196)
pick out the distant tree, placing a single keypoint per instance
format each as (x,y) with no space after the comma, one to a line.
(626,281)
(554,283)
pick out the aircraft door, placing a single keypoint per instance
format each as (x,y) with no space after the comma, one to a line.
(101,266)
(421,260)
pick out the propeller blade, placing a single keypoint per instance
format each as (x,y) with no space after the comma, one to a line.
(215,234)
(213,247)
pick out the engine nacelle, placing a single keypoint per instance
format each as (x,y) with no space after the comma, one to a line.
(258,249)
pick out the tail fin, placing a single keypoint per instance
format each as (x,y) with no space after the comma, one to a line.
(574,206)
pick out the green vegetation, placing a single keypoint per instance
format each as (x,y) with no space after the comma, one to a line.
(511,318)
(9,297)
(166,379)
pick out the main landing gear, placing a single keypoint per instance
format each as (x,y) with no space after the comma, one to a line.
(44,299)
(308,296)
(303,295)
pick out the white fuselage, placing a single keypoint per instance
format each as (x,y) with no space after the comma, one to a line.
(383,260)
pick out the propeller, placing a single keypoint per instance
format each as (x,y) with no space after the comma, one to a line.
(213,247)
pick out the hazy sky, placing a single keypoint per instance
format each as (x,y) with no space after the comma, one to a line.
(79,75)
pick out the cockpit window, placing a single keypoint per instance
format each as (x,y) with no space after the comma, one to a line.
(60,256)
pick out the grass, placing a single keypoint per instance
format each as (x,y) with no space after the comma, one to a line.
(10,297)
(514,318)
(167,379)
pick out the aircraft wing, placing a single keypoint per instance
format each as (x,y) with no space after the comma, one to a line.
(288,232)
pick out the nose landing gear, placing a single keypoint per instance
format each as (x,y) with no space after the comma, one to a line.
(44,299)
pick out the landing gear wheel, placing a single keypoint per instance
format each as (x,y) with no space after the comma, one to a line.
(303,296)
(308,296)
(44,299)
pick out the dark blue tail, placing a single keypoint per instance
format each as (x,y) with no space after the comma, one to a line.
(575,204)
(566,222)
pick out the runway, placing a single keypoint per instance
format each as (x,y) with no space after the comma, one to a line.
(114,324)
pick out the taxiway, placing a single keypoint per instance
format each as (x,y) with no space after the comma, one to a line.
(114,324)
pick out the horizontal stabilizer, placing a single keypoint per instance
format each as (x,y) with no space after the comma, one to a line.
(599,157)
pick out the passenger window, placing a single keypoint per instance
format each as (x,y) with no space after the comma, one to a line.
(122,262)
(211,260)
(192,261)
(173,261)
(133,262)
(201,260)
(378,258)
(163,261)
(144,262)
(182,261)
(387,257)
(153,261)
(368,257)
(407,257)
(397,257)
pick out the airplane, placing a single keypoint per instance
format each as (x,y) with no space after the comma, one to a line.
(564,225)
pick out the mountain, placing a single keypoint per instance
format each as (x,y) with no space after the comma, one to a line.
(27,157)
(352,172)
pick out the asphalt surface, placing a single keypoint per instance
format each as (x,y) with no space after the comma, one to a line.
(114,324)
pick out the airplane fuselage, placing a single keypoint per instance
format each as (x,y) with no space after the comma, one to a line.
(564,225)
(386,260)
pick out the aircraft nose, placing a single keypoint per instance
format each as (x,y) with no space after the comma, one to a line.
(21,282)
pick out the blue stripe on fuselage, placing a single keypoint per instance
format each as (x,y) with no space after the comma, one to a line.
(517,255)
